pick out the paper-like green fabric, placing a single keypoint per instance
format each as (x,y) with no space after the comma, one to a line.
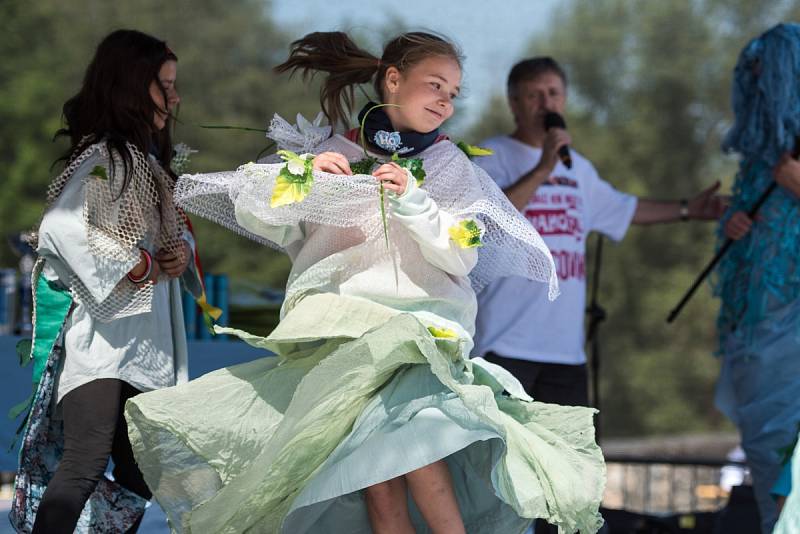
(52,308)
(284,444)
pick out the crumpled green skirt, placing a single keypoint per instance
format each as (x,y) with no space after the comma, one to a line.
(286,444)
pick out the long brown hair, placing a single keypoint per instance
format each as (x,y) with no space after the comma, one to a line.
(114,102)
(347,65)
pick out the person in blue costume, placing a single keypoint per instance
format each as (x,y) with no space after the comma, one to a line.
(758,280)
(370,417)
(113,249)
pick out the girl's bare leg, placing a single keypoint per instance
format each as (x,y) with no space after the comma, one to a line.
(387,507)
(432,490)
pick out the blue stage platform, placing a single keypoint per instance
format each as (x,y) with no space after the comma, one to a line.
(204,356)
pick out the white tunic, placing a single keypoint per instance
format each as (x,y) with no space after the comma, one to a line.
(431,281)
(147,350)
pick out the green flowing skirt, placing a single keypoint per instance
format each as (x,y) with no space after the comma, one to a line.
(286,444)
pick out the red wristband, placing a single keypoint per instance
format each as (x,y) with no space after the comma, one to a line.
(148,269)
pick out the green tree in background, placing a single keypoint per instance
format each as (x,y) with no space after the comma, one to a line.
(648,104)
(226,50)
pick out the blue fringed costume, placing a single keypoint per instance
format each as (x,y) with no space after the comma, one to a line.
(758,279)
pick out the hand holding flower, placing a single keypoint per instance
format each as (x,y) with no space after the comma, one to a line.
(393,177)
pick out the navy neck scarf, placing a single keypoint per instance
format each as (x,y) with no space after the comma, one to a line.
(380,134)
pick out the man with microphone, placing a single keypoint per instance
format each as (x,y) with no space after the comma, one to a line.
(561,194)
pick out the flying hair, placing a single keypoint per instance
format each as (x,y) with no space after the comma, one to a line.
(347,65)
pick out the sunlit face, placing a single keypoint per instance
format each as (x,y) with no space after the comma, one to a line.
(167,76)
(424,94)
(532,99)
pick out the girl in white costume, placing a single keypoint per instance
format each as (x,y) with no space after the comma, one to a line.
(113,250)
(371,418)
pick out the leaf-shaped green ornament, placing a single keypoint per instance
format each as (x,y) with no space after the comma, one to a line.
(99,172)
(473,151)
(414,166)
(364,165)
(442,333)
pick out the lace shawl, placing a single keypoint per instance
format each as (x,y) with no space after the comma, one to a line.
(511,246)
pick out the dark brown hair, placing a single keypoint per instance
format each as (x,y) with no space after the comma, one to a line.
(114,102)
(347,65)
(530,69)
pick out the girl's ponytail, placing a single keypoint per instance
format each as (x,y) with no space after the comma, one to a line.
(347,65)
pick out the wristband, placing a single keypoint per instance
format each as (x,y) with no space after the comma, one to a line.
(684,210)
(148,269)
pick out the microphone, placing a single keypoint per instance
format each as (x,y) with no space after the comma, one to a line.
(554,120)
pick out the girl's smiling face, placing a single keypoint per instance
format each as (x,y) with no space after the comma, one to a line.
(424,94)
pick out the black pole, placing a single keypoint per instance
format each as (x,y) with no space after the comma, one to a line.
(720,253)
(596,316)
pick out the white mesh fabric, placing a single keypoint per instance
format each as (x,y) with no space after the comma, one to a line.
(119,221)
(512,247)
(125,300)
(300,137)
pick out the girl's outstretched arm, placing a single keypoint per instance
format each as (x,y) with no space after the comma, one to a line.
(430,228)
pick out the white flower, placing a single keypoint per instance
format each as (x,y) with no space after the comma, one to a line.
(298,137)
(298,166)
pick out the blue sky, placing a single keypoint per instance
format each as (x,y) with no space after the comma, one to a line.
(493,36)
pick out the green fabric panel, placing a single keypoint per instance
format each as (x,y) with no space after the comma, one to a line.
(52,307)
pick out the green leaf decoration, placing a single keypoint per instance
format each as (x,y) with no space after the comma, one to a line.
(473,151)
(294,181)
(99,172)
(414,166)
(364,165)
(466,234)
(24,347)
(20,408)
(442,333)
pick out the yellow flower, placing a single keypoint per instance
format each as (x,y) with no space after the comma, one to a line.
(442,333)
(474,151)
(466,234)
(294,181)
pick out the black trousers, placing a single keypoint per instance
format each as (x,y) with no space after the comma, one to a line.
(94,429)
(556,383)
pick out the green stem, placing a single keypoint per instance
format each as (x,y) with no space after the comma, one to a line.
(383,217)
(243,128)
(366,154)
(364,121)
(269,146)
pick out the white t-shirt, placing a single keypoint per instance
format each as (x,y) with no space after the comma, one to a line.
(515,318)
